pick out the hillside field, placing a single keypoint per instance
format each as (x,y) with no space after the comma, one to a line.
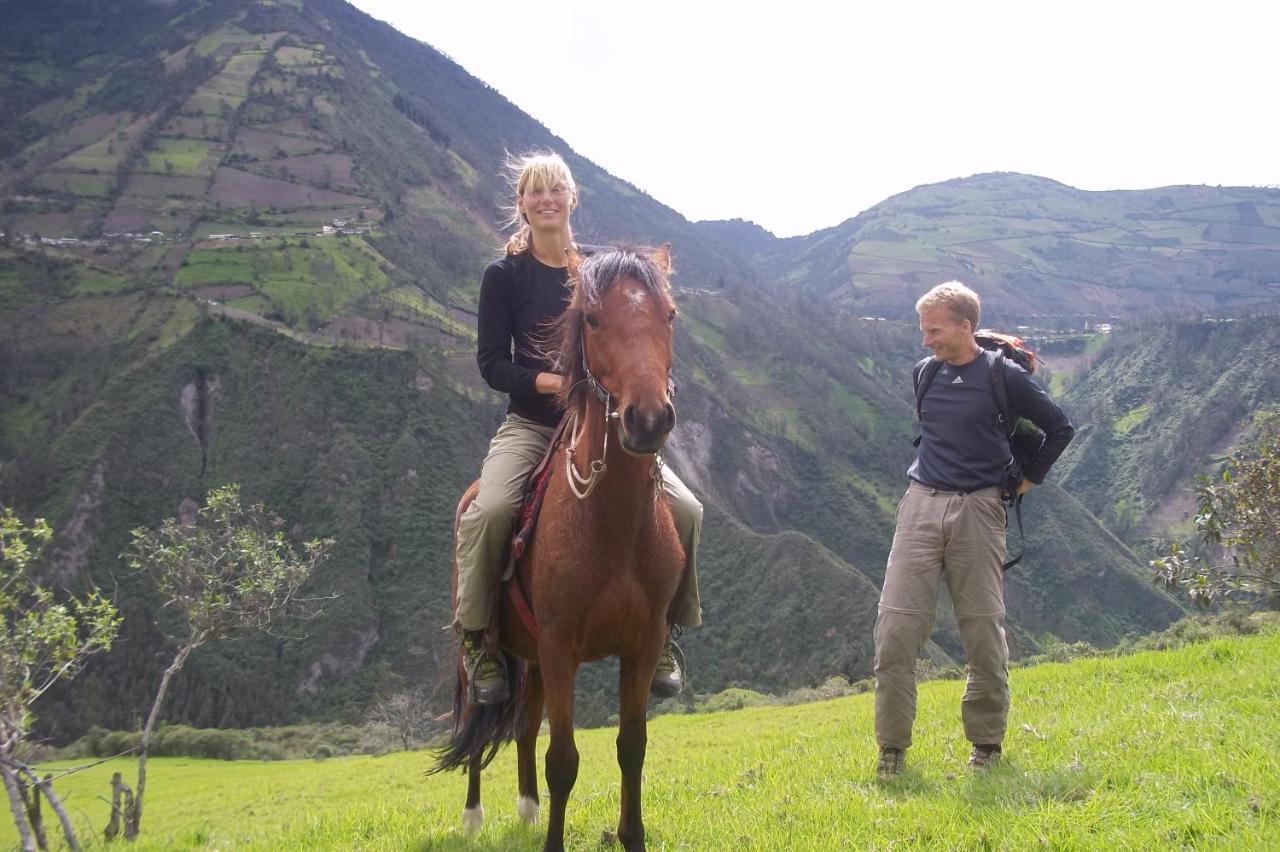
(1162,749)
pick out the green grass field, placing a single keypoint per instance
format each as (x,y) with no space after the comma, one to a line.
(1168,749)
(182,157)
(319,276)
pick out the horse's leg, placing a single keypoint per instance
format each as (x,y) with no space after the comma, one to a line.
(559,668)
(633,697)
(473,816)
(527,802)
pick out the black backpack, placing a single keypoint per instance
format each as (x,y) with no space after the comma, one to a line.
(1025,438)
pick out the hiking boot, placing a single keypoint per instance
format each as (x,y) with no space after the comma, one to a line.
(983,757)
(485,672)
(668,679)
(892,761)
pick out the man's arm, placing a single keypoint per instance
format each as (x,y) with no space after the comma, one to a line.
(1031,401)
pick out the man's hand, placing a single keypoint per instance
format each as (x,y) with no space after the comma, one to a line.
(548,383)
(1025,486)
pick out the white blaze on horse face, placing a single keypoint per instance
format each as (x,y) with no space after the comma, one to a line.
(638,298)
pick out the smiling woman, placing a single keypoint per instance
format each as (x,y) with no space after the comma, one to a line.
(520,296)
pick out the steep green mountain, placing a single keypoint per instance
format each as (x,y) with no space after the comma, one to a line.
(1160,403)
(1040,252)
(323,358)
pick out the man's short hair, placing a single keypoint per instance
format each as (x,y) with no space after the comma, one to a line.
(955,297)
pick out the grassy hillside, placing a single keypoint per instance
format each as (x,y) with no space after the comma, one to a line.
(1161,749)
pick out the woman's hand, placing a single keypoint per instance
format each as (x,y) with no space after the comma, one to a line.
(548,383)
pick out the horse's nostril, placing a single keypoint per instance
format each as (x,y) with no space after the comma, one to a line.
(671,416)
(629,418)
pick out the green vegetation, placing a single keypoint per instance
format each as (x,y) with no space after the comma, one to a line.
(78,183)
(218,266)
(44,639)
(1178,743)
(99,282)
(303,280)
(1125,424)
(181,157)
(1162,403)
(1238,522)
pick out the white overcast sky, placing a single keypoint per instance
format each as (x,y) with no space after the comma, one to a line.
(798,114)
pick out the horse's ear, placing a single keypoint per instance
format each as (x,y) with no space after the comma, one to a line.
(662,256)
(574,261)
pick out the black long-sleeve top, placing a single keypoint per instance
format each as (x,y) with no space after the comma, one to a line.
(519,297)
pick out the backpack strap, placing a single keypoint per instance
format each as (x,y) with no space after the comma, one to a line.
(921,376)
(1000,390)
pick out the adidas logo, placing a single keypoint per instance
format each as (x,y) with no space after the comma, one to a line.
(957,381)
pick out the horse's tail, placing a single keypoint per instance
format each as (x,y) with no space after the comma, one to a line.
(480,730)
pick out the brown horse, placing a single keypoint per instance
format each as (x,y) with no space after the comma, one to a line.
(605,563)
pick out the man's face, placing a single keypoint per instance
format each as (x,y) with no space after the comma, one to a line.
(946,334)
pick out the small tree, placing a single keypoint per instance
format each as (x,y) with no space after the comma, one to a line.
(43,641)
(229,573)
(1239,521)
(405,713)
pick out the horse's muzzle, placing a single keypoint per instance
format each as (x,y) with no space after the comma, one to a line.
(645,430)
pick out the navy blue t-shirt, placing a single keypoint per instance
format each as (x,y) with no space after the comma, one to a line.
(962,445)
(962,442)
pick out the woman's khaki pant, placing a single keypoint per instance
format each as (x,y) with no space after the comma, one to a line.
(484,531)
(958,537)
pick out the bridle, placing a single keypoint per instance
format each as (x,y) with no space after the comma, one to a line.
(582,485)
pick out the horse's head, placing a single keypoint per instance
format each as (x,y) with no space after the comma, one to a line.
(617,331)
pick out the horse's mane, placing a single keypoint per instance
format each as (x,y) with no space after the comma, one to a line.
(596,274)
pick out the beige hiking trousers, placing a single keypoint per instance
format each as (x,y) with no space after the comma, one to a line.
(961,538)
(484,531)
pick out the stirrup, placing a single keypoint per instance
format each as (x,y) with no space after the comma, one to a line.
(496,690)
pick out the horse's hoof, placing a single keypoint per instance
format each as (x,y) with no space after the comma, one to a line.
(528,809)
(472,819)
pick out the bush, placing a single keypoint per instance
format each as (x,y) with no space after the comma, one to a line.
(213,743)
(269,751)
(117,742)
(734,698)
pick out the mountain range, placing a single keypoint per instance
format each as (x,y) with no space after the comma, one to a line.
(243,240)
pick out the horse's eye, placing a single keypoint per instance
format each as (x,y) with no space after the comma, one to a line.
(592,321)
(671,317)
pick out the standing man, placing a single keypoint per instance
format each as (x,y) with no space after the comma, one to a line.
(951,525)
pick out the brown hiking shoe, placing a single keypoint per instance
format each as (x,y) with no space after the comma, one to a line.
(892,761)
(668,678)
(983,757)
(485,673)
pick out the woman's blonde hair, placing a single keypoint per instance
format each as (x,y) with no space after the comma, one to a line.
(530,173)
